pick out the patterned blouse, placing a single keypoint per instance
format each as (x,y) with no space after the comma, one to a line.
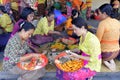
(13,51)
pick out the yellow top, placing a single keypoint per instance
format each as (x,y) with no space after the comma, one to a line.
(43,28)
(6,23)
(91,46)
(108,34)
(14,5)
(41,1)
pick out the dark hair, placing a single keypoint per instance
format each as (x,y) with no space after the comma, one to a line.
(2,8)
(79,22)
(74,12)
(51,8)
(25,12)
(50,13)
(107,8)
(26,26)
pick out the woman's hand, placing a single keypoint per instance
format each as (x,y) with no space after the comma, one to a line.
(36,55)
(76,50)
(79,56)
(56,32)
(29,56)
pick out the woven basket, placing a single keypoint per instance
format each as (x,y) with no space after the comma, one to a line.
(69,66)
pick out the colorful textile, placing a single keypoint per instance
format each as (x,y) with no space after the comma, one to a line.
(41,39)
(43,28)
(81,74)
(69,9)
(83,14)
(8,7)
(59,17)
(13,51)
(4,1)
(76,4)
(69,25)
(108,34)
(89,3)
(83,6)
(94,51)
(106,56)
(68,4)
(41,1)
(88,13)
(6,23)
(57,6)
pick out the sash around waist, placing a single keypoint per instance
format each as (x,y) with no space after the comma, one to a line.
(110,42)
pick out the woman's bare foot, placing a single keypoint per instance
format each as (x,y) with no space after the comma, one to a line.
(110,64)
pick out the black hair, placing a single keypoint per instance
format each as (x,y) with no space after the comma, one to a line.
(79,22)
(25,12)
(26,26)
(50,13)
(51,9)
(107,8)
(2,8)
(74,12)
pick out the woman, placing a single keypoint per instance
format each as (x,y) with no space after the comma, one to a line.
(89,52)
(44,31)
(5,21)
(108,35)
(6,25)
(26,15)
(15,50)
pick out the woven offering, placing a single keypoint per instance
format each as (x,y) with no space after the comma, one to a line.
(67,64)
(34,63)
(69,40)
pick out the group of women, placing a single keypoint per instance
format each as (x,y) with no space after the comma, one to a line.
(104,46)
